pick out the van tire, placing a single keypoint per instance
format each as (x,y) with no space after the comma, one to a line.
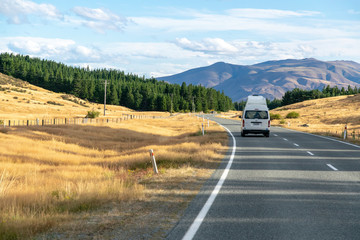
(242,134)
(267,134)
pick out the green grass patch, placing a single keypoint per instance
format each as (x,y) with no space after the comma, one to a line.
(275,116)
(92,114)
(293,115)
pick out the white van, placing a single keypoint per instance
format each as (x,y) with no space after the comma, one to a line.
(256,117)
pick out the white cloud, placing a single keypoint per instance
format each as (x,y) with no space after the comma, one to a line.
(207,45)
(43,46)
(251,51)
(100,19)
(63,50)
(18,11)
(269,13)
(21,11)
(269,23)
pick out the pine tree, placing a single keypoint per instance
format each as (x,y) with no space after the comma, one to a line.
(114,100)
(76,85)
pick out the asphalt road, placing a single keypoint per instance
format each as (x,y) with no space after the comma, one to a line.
(291,185)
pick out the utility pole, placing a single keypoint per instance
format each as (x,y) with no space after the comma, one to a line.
(171,107)
(105,97)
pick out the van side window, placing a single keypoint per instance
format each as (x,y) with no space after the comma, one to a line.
(253,114)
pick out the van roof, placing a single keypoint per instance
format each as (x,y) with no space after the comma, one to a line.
(256,107)
(256,100)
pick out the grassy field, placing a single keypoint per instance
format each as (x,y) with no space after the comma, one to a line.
(327,116)
(95,181)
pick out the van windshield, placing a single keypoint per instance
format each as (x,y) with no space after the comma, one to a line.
(254,114)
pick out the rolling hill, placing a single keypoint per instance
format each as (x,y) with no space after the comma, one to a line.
(272,78)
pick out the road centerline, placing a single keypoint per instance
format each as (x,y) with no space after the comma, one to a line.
(310,153)
(332,167)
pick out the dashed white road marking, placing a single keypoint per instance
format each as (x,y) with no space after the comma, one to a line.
(332,167)
(310,153)
(331,139)
(275,135)
(285,139)
(296,144)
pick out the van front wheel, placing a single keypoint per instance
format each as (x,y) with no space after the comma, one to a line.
(242,134)
(267,134)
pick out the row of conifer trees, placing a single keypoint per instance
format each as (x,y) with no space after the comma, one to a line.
(129,90)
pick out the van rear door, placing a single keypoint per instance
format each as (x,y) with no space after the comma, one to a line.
(257,119)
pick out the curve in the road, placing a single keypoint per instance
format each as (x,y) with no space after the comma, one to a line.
(200,217)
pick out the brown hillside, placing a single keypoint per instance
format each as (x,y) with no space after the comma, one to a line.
(324,115)
(20,100)
(271,79)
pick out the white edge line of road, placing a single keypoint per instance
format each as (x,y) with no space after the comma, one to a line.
(335,140)
(200,217)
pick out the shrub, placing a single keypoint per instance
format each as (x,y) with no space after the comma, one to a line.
(4,130)
(92,114)
(275,116)
(54,103)
(282,121)
(293,115)
(18,90)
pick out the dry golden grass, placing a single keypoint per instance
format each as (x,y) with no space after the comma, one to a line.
(20,100)
(324,116)
(49,173)
(230,115)
(56,176)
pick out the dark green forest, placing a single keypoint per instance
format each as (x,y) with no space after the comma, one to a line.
(127,90)
(299,95)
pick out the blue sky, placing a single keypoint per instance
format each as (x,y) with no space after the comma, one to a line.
(163,37)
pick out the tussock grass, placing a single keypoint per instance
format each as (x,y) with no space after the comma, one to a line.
(53,175)
(50,173)
(327,116)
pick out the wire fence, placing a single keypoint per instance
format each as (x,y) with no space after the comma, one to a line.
(72,121)
(351,134)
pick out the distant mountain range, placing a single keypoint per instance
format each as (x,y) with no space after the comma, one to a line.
(271,79)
